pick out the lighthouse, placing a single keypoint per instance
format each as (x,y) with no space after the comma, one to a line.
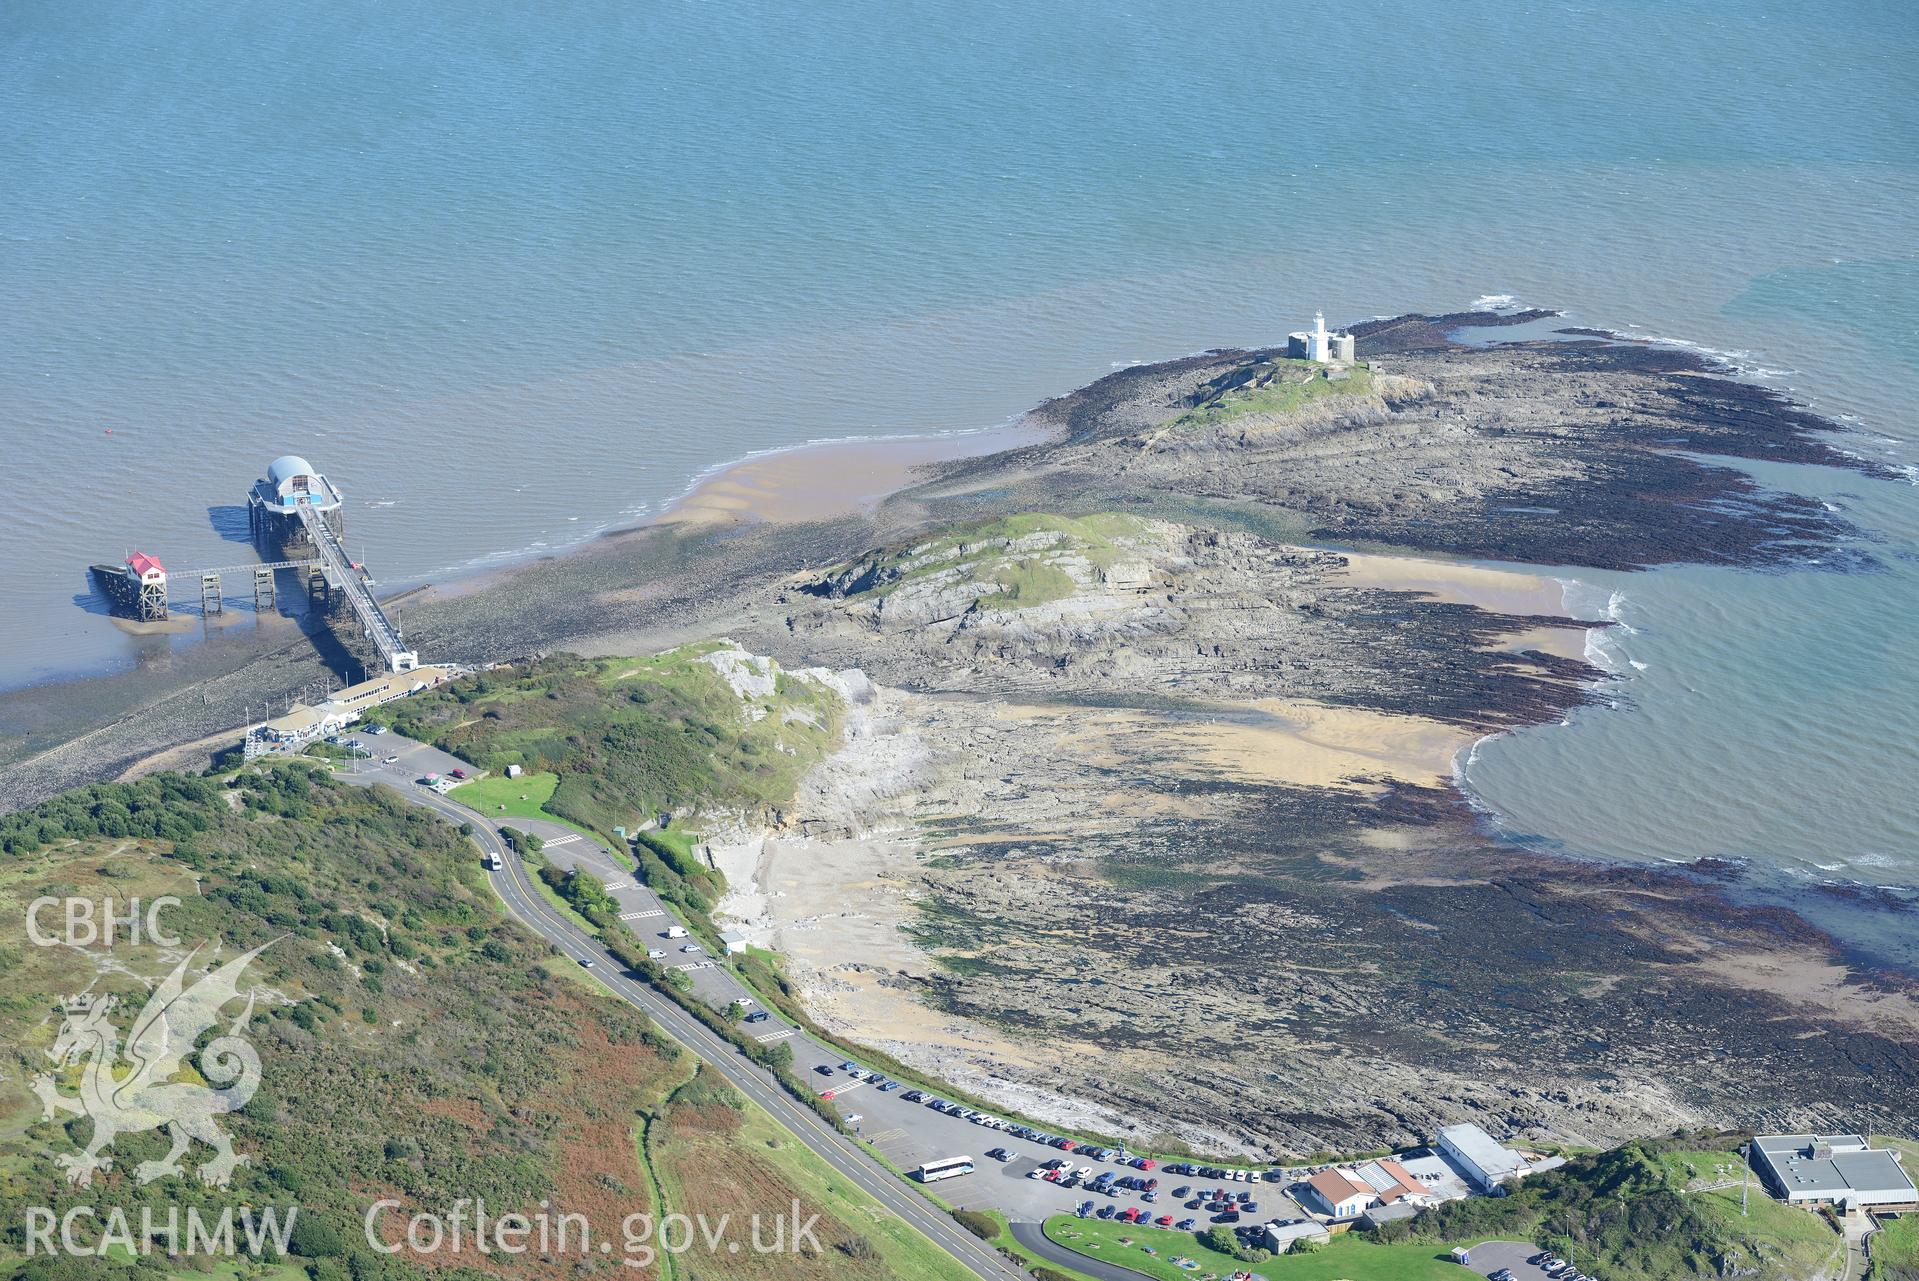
(1320,345)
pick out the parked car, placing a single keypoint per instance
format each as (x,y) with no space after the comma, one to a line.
(1226,1216)
(389,760)
(1149,1196)
(757,1016)
(1085,1208)
(888,1086)
(1182,1192)
(657,953)
(1186,1225)
(824,1070)
(457,773)
(913,1096)
(1164,1221)
(999,1154)
(689,947)
(1106,1211)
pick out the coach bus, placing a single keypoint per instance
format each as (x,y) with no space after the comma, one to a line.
(934,1171)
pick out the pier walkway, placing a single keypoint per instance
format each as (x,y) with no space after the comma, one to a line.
(340,573)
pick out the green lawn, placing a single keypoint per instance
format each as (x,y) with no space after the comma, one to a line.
(1346,1258)
(500,796)
(1285,394)
(1801,1238)
(1895,1250)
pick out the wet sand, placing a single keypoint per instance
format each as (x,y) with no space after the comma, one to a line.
(820,482)
(1498,591)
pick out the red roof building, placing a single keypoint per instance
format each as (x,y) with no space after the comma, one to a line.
(144,567)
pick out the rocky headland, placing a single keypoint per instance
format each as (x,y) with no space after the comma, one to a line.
(1146,769)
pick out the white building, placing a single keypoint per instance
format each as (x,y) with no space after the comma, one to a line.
(1831,1169)
(1320,345)
(1485,1162)
(734,940)
(1339,1194)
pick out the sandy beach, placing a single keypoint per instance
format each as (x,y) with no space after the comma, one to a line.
(836,478)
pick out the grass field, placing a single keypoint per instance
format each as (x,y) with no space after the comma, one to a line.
(1290,390)
(1802,1242)
(1346,1258)
(1895,1250)
(523,797)
(714,1153)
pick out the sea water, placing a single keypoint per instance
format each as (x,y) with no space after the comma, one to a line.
(513,274)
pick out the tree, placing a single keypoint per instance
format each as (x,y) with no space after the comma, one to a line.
(1220,1240)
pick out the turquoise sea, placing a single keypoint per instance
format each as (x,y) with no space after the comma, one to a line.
(512,274)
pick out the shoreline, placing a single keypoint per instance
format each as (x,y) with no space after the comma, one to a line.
(845,482)
(1191,702)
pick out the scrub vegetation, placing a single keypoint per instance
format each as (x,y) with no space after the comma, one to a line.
(1643,1210)
(415,1044)
(1010,562)
(630,738)
(1270,389)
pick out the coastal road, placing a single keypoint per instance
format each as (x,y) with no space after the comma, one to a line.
(1030,1236)
(904,1133)
(526,903)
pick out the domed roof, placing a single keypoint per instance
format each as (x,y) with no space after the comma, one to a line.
(287,466)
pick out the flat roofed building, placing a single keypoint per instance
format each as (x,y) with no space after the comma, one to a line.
(1486,1162)
(1831,1169)
(1280,1237)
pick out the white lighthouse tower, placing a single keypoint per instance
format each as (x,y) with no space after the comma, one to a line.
(1320,345)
